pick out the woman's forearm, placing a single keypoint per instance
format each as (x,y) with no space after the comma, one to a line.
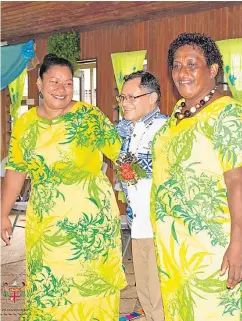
(233,181)
(12,185)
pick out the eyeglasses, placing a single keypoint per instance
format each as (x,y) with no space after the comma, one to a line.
(121,98)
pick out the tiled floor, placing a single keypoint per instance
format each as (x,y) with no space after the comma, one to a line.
(13,270)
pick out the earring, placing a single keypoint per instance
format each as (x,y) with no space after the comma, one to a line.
(41,95)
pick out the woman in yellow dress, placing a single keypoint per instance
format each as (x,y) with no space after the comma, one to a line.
(196,202)
(73,246)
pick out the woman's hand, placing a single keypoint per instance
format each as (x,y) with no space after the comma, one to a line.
(6,230)
(232,261)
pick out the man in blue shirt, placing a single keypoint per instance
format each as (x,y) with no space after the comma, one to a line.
(139,99)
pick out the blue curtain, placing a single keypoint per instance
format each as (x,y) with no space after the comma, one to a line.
(14,59)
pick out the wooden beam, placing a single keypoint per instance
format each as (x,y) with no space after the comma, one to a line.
(125,12)
(5,122)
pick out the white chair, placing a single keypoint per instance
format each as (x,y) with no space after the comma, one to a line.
(124,223)
(125,227)
(104,167)
(3,162)
(19,207)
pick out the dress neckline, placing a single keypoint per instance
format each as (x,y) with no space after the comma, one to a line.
(197,116)
(56,119)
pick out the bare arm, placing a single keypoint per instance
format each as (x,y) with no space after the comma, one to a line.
(233,256)
(233,181)
(12,185)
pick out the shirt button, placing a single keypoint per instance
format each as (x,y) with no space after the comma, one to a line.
(134,135)
(134,215)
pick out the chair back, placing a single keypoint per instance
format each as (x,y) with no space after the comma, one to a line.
(104,167)
(3,163)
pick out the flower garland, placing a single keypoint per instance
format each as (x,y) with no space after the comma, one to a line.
(128,169)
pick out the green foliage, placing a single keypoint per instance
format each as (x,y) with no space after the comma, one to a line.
(230,301)
(65,45)
(92,235)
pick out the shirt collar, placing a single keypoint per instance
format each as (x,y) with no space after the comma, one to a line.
(146,119)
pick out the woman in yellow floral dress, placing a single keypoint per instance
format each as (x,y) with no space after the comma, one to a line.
(196,202)
(73,248)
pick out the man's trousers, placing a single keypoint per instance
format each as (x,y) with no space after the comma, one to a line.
(147,279)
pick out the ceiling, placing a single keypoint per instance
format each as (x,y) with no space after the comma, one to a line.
(25,20)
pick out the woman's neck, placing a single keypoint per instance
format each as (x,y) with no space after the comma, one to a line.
(47,112)
(191,103)
(196,100)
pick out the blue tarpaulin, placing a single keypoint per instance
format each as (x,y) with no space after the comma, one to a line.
(14,59)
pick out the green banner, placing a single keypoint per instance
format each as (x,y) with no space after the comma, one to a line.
(16,89)
(231,51)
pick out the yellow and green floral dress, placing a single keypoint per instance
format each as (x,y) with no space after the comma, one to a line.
(190,214)
(73,245)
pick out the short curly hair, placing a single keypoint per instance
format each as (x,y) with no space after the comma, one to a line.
(207,46)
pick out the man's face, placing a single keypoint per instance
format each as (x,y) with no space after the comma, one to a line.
(136,108)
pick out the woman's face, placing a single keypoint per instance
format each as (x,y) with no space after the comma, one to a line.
(56,87)
(191,74)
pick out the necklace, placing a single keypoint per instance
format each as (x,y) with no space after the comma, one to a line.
(187,113)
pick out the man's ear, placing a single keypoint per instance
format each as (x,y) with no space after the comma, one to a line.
(214,70)
(153,98)
(39,84)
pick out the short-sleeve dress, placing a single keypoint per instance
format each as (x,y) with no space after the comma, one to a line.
(190,214)
(73,245)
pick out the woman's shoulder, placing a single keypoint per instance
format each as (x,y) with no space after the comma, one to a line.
(226,103)
(28,116)
(228,100)
(83,106)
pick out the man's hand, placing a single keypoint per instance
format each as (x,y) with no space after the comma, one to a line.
(232,261)
(6,230)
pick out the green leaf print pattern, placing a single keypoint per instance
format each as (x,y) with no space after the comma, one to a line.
(102,132)
(28,141)
(43,179)
(228,134)
(196,201)
(33,313)
(44,186)
(95,284)
(77,126)
(188,281)
(92,236)
(86,123)
(19,166)
(231,302)
(48,290)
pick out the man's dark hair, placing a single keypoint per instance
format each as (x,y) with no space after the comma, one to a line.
(147,80)
(207,46)
(51,60)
